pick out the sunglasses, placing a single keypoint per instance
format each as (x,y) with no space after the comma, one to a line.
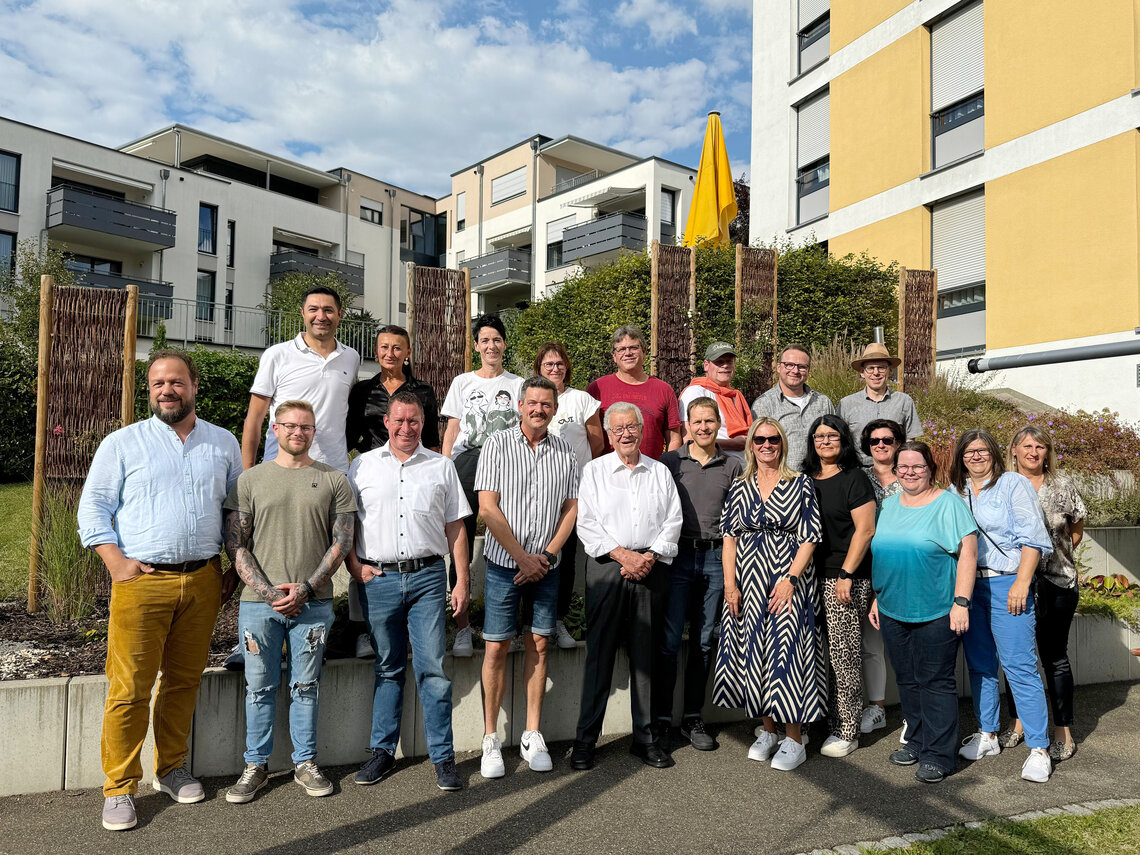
(881,440)
(766,440)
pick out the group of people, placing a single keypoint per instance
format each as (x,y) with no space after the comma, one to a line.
(774,530)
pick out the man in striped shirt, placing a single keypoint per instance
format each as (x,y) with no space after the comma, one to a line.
(528,487)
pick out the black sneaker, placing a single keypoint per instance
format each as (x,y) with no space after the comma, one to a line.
(236,660)
(446,778)
(378,767)
(904,757)
(662,731)
(693,729)
(928,773)
(582,756)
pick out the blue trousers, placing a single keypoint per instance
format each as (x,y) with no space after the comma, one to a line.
(996,639)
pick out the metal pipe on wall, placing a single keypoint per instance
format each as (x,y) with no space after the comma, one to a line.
(1053,357)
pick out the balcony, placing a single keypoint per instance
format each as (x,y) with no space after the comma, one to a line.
(499,269)
(155,296)
(217,324)
(605,234)
(73,214)
(295,261)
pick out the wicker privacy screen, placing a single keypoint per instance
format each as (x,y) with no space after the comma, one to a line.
(756,313)
(440,318)
(672,343)
(918,317)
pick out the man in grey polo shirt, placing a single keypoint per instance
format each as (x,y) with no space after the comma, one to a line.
(876,400)
(793,402)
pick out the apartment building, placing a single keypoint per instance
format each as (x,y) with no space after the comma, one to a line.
(525,218)
(202,225)
(993,140)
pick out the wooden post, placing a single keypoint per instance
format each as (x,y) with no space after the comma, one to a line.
(902,330)
(653,261)
(130,333)
(467,320)
(43,388)
(410,323)
(692,310)
(739,285)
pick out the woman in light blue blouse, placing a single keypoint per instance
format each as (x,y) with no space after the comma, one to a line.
(1012,539)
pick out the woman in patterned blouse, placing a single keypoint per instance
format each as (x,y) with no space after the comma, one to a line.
(1031,454)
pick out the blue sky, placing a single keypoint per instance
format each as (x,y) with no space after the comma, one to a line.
(404,90)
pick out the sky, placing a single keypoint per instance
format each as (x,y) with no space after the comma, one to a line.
(407,91)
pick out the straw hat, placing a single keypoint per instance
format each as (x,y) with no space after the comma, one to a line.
(873,352)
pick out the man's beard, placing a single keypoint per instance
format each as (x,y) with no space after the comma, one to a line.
(173,417)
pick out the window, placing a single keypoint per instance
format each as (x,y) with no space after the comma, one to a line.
(7,253)
(372,212)
(231,240)
(957,80)
(813,157)
(89,264)
(960,301)
(205,303)
(554,230)
(508,186)
(282,246)
(9,181)
(229,308)
(459,255)
(814,43)
(461,212)
(207,229)
(668,207)
(958,253)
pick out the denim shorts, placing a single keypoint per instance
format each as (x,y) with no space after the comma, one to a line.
(501,598)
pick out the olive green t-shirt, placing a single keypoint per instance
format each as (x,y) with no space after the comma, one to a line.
(293,514)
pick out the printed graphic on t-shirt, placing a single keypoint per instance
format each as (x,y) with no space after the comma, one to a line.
(486,416)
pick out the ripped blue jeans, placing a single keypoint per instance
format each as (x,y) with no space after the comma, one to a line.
(262,632)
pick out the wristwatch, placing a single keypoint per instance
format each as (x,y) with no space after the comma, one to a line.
(962,601)
(551,559)
(308,589)
(843,574)
(793,579)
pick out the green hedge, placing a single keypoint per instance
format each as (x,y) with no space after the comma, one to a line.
(17,411)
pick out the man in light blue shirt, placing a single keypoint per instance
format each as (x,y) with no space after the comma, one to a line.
(152,509)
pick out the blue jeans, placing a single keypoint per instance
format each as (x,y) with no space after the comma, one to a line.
(400,607)
(995,635)
(262,632)
(501,598)
(923,656)
(695,595)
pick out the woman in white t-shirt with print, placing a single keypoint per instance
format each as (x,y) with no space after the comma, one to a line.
(578,423)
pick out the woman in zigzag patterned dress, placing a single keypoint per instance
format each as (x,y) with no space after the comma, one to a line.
(770,659)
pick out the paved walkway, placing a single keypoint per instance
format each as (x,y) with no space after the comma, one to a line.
(710,802)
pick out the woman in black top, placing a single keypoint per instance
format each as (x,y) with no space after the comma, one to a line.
(843,566)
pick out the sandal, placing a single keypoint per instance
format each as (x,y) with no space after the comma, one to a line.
(1010,739)
(1062,751)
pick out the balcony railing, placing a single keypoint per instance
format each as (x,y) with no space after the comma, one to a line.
(508,266)
(86,209)
(576,181)
(611,232)
(210,323)
(292,260)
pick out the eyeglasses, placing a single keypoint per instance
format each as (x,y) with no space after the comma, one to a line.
(917,470)
(875,369)
(766,440)
(881,440)
(795,366)
(630,429)
(551,366)
(633,348)
(825,438)
(289,427)
(975,453)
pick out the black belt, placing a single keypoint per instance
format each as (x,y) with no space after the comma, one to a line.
(411,565)
(182,566)
(702,544)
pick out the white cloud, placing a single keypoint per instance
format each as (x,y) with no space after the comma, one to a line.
(408,94)
(665,21)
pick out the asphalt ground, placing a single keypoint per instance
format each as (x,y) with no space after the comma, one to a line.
(709,802)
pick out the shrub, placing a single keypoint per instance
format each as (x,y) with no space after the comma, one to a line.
(21,286)
(17,410)
(69,573)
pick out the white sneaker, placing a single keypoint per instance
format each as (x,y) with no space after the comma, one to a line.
(364,647)
(902,736)
(464,646)
(562,636)
(804,739)
(978,746)
(1037,766)
(874,718)
(532,748)
(833,746)
(790,755)
(763,747)
(491,766)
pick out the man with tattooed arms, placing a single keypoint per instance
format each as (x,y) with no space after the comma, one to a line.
(290,529)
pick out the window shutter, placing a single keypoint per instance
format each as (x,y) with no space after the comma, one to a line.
(555,228)
(667,204)
(810,10)
(957,47)
(506,186)
(959,241)
(461,207)
(814,120)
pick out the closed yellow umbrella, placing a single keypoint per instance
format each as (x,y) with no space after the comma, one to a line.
(714,198)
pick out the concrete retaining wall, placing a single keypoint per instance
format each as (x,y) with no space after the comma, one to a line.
(1108,551)
(54,724)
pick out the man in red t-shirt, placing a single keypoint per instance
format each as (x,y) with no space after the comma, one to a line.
(654,397)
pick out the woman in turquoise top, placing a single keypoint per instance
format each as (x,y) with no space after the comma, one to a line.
(924,556)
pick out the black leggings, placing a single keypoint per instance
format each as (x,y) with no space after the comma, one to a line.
(1055,609)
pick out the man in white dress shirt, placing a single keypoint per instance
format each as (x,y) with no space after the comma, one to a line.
(411,514)
(629,521)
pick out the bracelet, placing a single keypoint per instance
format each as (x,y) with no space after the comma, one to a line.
(308,589)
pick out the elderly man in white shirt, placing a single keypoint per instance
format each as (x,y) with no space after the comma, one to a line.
(411,514)
(629,521)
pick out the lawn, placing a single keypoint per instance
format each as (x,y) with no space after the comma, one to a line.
(15,531)
(1114,830)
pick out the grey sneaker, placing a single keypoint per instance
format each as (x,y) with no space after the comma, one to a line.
(119,813)
(309,776)
(181,786)
(252,779)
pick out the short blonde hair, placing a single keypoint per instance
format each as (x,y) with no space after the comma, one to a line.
(291,406)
